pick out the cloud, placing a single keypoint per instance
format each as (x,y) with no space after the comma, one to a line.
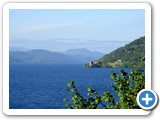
(42,27)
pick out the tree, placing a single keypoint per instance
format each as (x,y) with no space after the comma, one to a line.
(127,86)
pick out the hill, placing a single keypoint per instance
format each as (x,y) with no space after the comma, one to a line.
(84,55)
(126,56)
(40,56)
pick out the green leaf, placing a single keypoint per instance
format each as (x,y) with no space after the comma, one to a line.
(64,99)
(89,89)
(106,99)
(88,94)
(70,83)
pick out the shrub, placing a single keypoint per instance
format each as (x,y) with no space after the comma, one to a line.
(127,86)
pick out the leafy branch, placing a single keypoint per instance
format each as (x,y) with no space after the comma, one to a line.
(126,85)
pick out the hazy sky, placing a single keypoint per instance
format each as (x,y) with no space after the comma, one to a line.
(60,30)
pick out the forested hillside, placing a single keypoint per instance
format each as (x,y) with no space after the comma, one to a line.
(130,55)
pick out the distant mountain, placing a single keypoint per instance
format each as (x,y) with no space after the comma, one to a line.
(41,57)
(131,55)
(84,54)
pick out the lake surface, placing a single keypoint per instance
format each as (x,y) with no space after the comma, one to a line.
(44,86)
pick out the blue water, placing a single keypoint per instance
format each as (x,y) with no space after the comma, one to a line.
(44,86)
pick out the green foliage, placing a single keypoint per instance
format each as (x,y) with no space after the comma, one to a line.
(125,56)
(126,86)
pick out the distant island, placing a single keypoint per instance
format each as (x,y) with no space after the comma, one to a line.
(127,56)
(40,56)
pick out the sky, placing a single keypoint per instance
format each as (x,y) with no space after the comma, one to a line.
(60,30)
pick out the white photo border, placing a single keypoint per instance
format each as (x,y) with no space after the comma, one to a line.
(73,6)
